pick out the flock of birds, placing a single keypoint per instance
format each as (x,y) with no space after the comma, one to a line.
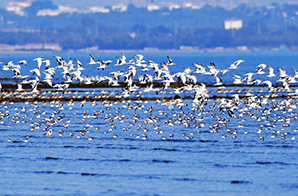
(236,115)
(138,72)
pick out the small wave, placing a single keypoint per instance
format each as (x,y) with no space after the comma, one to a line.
(161,161)
(81,159)
(165,149)
(62,172)
(88,174)
(52,158)
(67,146)
(220,165)
(211,141)
(44,172)
(185,179)
(268,162)
(240,182)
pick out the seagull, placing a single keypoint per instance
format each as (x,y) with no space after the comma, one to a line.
(140,58)
(269,84)
(61,87)
(260,68)
(77,74)
(59,59)
(20,88)
(235,64)
(17,73)
(248,78)
(191,78)
(170,62)
(36,71)
(121,61)
(218,81)
(101,65)
(296,73)
(213,70)
(201,69)
(116,74)
(48,63)
(34,84)
(7,66)
(271,70)
(282,72)
(92,60)
(23,62)
(39,61)
(68,78)
(237,79)
(80,65)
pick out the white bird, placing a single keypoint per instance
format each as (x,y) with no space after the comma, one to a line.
(201,69)
(17,73)
(296,72)
(68,78)
(77,74)
(236,64)
(218,81)
(34,84)
(61,87)
(47,62)
(166,84)
(181,77)
(269,84)
(20,88)
(191,78)
(282,72)
(248,78)
(170,62)
(133,70)
(121,61)
(140,58)
(23,62)
(39,61)
(237,79)
(36,71)
(187,70)
(101,65)
(260,68)
(271,72)
(59,59)
(213,70)
(92,60)
(80,65)
(7,66)
(116,74)
(48,81)
(87,80)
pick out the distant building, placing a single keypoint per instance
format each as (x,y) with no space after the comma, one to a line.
(233,24)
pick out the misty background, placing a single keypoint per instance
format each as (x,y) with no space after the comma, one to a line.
(150,25)
(79,3)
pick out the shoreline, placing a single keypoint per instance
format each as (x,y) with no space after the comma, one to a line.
(149,50)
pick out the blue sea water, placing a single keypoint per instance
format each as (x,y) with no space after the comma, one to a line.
(118,162)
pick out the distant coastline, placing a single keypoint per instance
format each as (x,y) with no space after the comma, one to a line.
(146,50)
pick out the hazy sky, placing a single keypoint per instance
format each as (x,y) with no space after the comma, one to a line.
(84,3)
(74,3)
